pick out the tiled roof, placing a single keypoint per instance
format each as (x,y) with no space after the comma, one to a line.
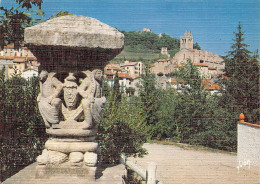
(129,63)
(200,64)
(212,68)
(109,72)
(32,58)
(6,57)
(124,75)
(207,85)
(19,59)
(206,81)
(173,80)
(213,86)
(11,46)
(115,68)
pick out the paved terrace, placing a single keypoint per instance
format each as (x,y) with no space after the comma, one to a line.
(177,165)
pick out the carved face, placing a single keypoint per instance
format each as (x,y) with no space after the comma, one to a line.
(98,75)
(71,96)
(43,75)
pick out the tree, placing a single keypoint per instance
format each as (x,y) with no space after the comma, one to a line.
(241,92)
(122,129)
(197,117)
(149,98)
(14,20)
(28,3)
(196,46)
(116,93)
(160,74)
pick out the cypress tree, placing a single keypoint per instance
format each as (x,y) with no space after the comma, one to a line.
(242,84)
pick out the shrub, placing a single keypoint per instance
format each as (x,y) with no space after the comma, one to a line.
(22,131)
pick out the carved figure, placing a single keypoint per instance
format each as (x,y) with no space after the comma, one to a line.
(92,102)
(70,92)
(71,98)
(48,100)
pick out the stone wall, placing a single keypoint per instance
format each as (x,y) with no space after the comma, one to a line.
(248,144)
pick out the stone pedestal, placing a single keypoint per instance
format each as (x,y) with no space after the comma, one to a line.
(73,51)
(35,173)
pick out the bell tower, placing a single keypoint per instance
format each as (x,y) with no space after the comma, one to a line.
(186,41)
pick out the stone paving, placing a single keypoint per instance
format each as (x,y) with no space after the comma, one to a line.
(176,165)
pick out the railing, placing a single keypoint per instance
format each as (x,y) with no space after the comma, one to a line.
(148,175)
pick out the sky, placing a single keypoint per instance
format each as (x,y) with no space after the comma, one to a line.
(212,22)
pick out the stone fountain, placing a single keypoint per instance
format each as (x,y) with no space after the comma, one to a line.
(72,51)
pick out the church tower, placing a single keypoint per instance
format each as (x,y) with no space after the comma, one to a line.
(186,41)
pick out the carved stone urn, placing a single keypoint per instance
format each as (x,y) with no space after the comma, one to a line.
(72,51)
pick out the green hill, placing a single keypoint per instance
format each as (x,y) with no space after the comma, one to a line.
(146,46)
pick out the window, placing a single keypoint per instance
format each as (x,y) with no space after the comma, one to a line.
(201,61)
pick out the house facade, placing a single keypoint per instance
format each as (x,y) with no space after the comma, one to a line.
(17,60)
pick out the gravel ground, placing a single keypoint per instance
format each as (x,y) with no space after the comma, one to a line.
(177,165)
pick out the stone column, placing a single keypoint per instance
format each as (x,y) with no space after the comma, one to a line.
(72,51)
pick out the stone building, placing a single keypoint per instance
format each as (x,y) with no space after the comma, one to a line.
(164,51)
(210,64)
(146,30)
(162,66)
(128,74)
(18,60)
(135,69)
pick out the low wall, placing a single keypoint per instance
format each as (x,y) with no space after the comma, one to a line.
(248,144)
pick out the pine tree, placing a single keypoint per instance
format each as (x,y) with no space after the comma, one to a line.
(242,85)
(116,92)
(149,96)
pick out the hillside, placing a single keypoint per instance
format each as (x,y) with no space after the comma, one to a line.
(146,46)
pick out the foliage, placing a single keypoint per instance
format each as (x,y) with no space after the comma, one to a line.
(130,91)
(60,14)
(241,85)
(22,131)
(13,21)
(117,89)
(122,129)
(149,40)
(192,115)
(149,98)
(160,74)
(162,56)
(106,88)
(28,3)
(196,46)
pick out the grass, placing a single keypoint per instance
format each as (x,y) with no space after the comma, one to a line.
(191,147)
(135,54)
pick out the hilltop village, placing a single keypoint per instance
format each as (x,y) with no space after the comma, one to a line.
(211,66)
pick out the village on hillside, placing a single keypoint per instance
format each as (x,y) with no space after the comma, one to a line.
(211,66)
